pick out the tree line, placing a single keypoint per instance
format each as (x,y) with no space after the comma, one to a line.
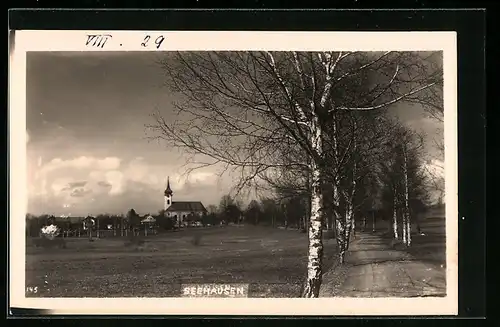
(121,225)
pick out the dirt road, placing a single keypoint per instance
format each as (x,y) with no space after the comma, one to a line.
(374,269)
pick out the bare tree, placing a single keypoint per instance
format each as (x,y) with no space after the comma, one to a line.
(212,209)
(237,106)
(402,173)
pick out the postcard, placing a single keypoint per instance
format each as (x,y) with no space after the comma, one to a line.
(233,173)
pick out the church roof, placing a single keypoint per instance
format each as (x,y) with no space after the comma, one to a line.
(192,206)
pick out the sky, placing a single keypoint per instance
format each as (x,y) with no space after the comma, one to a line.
(87,150)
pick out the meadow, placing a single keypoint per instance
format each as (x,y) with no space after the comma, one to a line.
(271,261)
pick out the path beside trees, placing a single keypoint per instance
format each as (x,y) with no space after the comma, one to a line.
(373,268)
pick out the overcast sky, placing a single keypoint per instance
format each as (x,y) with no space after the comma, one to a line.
(87,151)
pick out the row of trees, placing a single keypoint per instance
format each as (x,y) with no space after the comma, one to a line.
(268,211)
(120,224)
(307,124)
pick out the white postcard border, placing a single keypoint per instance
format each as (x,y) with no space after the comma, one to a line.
(30,40)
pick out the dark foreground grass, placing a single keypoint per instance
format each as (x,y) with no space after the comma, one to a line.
(273,263)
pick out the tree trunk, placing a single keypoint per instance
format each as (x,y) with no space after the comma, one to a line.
(341,241)
(404,228)
(408,231)
(350,198)
(354,229)
(364,222)
(348,225)
(407,222)
(373,221)
(395,221)
(315,249)
(340,225)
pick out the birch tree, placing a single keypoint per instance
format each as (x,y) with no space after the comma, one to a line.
(235,108)
(403,175)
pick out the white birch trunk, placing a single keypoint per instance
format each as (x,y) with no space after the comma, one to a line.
(350,196)
(349,225)
(404,228)
(347,216)
(341,242)
(315,250)
(373,221)
(339,222)
(353,231)
(395,220)
(406,212)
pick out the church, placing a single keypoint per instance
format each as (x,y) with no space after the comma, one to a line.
(182,211)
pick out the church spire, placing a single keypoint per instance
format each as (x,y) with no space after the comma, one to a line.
(168,190)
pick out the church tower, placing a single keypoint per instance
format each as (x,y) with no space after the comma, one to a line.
(168,196)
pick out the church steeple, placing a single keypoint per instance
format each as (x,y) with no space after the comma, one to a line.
(168,190)
(167,195)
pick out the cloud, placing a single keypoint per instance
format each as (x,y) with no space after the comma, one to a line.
(86,184)
(77,184)
(116,179)
(138,170)
(104,184)
(80,192)
(83,162)
(60,185)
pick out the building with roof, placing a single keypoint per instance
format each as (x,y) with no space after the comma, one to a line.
(182,211)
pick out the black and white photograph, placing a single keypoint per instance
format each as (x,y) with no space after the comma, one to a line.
(231,173)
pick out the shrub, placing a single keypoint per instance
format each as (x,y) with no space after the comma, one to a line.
(50,232)
(49,238)
(166,223)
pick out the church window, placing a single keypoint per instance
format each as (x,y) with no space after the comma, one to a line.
(168,201)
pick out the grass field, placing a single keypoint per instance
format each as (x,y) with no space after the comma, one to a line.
(271,261)
(430,245)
